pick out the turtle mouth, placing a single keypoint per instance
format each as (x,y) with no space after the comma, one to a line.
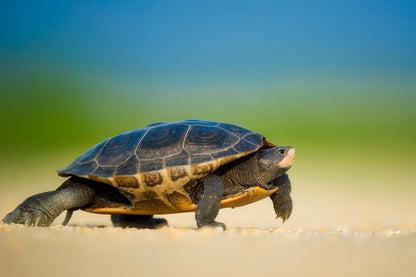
(288,159)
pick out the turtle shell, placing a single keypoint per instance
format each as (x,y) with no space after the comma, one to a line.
(152,166)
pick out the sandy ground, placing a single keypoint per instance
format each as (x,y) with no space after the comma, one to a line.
(333,231)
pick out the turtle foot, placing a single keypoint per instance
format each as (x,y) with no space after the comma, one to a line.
(138,221)
(282,201)
(160,222)
(28,216)
(213,225)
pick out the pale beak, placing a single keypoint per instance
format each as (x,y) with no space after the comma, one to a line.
(290,156)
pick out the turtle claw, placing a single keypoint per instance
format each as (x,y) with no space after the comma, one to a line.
(40,219)
(9,218)
(213,225)
(37,221)
(284,215)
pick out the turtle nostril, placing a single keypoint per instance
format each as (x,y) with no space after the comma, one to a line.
(282,151)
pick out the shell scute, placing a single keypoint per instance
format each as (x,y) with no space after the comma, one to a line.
(201,170)
(127,182)
(206,140)
(151,165)
(179,159)
(129,167)
(245,146)
(199,159)
(163,141)
(104,171)
(82,169)
(152,179)
(177,172)
(234,129)
(254,139)
(230,152)
(118,148)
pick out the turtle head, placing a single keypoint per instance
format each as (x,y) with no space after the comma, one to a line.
(274,162)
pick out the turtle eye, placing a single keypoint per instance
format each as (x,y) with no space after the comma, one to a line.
(282,151)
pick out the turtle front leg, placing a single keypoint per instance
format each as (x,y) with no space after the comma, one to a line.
(41,209)
(209,205)
(282,202)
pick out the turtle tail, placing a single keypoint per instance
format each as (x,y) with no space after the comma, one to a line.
(67,216)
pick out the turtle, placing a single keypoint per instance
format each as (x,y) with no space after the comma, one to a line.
(165,168)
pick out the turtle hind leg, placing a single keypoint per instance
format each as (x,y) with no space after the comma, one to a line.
(42,209)
(138,221)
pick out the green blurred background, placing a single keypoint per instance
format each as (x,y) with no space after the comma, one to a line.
(336,80)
